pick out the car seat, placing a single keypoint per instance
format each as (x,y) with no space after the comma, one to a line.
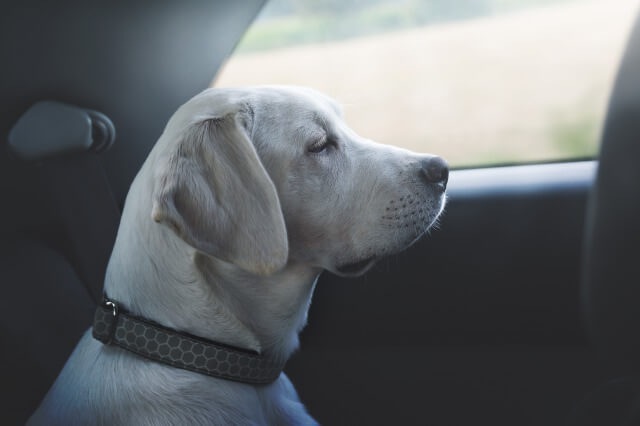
(611,261)
(134,61)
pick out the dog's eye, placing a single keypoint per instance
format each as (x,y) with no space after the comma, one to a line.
(320,145)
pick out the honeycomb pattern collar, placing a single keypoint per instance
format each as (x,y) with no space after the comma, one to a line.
(112,325)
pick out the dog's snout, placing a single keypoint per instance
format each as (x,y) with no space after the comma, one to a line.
(436,170)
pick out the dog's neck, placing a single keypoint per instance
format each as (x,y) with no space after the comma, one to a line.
(154,274)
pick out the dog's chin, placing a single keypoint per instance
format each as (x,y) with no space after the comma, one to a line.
(354,269)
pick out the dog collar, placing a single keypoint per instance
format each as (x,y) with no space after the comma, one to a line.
(112,325)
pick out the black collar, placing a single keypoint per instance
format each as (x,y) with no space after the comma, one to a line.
(112,325)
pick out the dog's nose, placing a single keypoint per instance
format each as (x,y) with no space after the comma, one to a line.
(436,170)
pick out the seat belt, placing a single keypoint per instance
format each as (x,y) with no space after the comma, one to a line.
(64,143)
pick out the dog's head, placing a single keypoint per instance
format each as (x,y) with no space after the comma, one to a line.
(262,176)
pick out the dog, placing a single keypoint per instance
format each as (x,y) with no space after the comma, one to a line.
(247,196)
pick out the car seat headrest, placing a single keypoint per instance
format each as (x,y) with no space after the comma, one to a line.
(135,61)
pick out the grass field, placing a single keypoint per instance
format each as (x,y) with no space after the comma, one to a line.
(521,86)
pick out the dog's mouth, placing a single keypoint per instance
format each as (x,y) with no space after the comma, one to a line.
(356,268)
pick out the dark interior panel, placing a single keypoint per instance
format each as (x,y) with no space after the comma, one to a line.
(501,268)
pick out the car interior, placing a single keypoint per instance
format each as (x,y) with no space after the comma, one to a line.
(521,309)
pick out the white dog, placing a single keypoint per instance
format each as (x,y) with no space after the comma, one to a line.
(248,195)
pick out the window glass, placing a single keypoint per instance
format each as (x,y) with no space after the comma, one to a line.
(477,81)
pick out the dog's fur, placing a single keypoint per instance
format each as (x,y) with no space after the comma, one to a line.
(246,197)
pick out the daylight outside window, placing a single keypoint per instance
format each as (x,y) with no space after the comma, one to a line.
(477,81)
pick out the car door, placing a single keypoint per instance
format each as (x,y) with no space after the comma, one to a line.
(477,324)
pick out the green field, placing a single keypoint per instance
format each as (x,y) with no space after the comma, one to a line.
(527,85)
(311,21)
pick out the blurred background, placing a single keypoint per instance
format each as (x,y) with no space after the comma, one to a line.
(480,82)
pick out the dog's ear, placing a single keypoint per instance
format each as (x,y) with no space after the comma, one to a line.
(213,191)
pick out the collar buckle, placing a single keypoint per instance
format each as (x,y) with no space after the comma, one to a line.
(111,304)
(105,321)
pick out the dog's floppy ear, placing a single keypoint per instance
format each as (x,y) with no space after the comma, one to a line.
(213,191)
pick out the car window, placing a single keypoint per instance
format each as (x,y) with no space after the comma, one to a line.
(479,82)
